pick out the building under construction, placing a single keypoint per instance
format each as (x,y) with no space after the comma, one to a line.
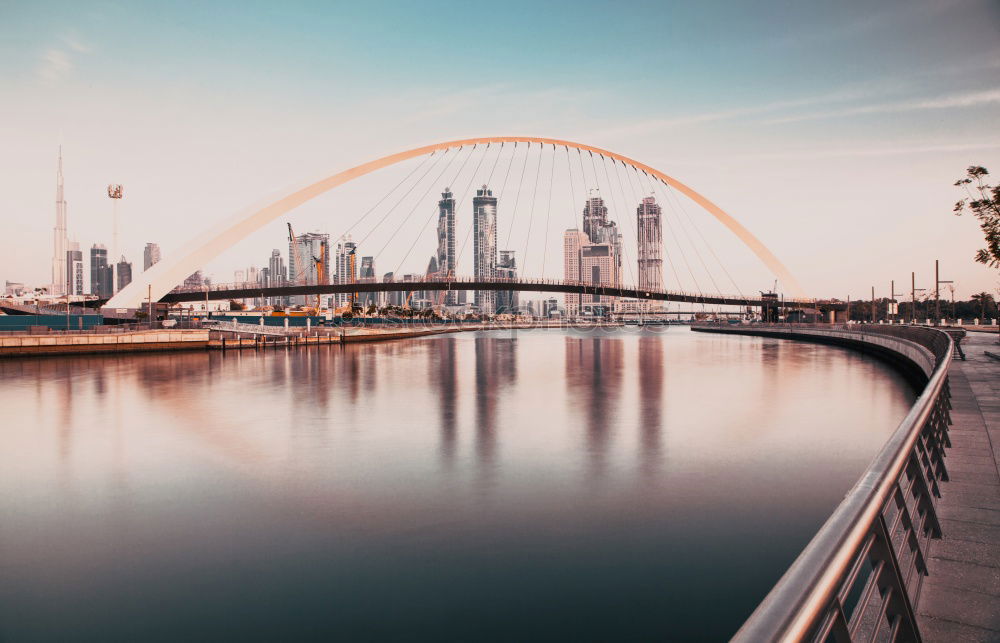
(308,262)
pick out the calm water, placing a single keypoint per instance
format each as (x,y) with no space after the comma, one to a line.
(495,486)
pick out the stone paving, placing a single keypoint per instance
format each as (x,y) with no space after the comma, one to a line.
(960,599)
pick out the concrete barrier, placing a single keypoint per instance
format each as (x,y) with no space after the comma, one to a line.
(129,341)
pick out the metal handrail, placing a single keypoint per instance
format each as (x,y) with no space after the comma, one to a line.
(812,599)
(460,279)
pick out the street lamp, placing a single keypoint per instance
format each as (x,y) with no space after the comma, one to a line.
(913,297)
(937,293)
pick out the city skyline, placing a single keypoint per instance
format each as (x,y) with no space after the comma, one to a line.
(815,126)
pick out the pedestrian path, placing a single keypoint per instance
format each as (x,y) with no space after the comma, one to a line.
(960,599)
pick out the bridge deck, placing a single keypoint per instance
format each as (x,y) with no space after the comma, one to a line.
(960,600)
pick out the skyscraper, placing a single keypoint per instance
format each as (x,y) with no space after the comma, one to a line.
(367,276)
(276,276)
(59,239)
(347,268)
(124,273)
(74,269)
(650,245)
(507,269)
(101,273)
(573,240)
(150,256)
(484,234)
(592,257)
(277,273)
(595,217)
(446,241)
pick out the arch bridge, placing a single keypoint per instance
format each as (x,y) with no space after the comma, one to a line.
(157,283)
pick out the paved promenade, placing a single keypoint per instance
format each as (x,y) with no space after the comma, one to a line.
(960,600)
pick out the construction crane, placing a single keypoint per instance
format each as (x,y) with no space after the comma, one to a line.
(318,261)
(351,271)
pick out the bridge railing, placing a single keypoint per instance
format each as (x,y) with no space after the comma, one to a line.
(459,280)
(860,575)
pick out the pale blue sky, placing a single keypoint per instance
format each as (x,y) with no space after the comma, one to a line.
(832,130)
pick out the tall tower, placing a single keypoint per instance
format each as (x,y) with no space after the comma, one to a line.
(150,256)
(59,241)
(484,234)
(573,241)
(507,300)
(595,218)
(347,268)
(650,245)
(446,241)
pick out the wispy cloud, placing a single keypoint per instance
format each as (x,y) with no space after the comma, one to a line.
(57,63)
(649,126)
(869,151)
(970,99)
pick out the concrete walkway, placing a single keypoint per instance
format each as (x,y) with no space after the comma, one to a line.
(960,600)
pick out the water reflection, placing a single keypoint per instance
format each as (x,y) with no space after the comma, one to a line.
(479,483)
(650,403)
(594,380)
(443,374)
(496,368)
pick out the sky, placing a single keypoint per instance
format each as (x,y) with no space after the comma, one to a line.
(833,131)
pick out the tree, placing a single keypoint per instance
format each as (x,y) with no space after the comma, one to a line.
(984,298)
(983,201)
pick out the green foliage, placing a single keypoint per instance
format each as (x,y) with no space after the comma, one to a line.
(983,201)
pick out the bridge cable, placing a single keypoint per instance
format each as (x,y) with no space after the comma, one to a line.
(670,261)
(572,191)
(534,198)
(670,191)
(701,260)
(621,189)
(492,169)
(437,181)
(572,224)
(676,239)
(386,195)
(407,193)
(548,210)
(694,246)
(416,203)
(464,194)
(465,241)
(507,173)
(517,199)
(626,215)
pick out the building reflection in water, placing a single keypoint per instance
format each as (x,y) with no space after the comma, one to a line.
(594,368)
(650,402)
(496,368)
(442,374)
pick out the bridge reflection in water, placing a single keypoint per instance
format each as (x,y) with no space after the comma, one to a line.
(561,484)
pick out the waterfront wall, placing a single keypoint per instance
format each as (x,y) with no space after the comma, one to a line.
(118,342)
(914,360)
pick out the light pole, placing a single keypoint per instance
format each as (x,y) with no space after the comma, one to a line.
(892,300)
(937,293)
(913,297)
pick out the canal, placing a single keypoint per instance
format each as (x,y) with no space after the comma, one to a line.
(504,485)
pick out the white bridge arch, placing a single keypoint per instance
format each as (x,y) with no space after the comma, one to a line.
(168,273)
